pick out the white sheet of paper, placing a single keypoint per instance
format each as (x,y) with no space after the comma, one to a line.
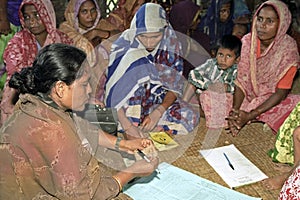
(174,183)
(244,172)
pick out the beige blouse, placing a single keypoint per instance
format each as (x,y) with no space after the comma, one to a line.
(42,156)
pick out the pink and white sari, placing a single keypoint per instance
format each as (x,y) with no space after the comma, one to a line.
(22,48)
(258,76)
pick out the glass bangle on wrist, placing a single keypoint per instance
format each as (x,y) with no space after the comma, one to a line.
(117,144)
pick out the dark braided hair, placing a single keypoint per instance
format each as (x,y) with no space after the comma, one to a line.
(55,62)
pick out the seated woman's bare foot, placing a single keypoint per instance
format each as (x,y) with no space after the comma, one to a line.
(281,167)
(275,182)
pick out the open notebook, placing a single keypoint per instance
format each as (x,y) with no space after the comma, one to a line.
(173,183)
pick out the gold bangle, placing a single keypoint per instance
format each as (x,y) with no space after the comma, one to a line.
(119,183)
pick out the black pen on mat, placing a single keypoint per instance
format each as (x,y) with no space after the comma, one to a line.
(146,158)
(229,163)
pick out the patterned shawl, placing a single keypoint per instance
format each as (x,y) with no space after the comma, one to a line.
(131,64)
(258,77)
(116,21)
(22,48)
(71,15)
(72,29)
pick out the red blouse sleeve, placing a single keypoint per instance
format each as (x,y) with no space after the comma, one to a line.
(287,81)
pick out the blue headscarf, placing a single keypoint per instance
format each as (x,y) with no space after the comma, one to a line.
(211,24)
(131,64)
(12,11)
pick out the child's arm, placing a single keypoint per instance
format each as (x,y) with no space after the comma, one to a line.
(229,81)
(229,87)
(189,92)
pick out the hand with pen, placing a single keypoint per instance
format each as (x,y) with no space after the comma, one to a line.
(148,155)
(144,166)
(146,161)
(140,168)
